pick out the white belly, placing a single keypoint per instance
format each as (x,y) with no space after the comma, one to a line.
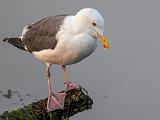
(68,51)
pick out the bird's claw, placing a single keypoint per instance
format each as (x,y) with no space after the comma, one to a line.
(56,101)
(70,86)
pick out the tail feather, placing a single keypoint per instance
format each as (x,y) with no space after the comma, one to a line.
(17,42)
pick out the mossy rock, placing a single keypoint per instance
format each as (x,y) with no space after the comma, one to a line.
(77,100)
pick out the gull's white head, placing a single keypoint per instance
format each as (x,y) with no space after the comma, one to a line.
(91,21)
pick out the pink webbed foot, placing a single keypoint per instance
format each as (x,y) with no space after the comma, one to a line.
(70,86)
(56,101)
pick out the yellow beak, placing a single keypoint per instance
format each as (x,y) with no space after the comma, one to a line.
(104,41)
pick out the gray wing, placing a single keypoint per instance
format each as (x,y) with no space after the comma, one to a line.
(42,34)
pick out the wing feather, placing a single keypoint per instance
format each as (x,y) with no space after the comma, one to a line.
(42,34)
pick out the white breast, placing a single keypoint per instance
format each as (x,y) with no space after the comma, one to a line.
(72,49)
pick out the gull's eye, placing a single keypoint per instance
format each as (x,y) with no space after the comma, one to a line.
(94,24)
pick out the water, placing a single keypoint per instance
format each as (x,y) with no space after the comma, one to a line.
(123,81)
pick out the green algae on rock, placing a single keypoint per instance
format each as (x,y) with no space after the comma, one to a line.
(77,100)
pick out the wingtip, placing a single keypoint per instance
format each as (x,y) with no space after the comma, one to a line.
(5,39)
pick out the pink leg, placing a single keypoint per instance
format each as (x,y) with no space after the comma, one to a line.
(68,84)
(55,101)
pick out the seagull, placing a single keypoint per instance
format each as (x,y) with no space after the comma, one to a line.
(63,40)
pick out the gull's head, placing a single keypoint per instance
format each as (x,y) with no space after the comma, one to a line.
(89,20)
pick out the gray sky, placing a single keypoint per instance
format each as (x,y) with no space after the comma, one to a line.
(128,74)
